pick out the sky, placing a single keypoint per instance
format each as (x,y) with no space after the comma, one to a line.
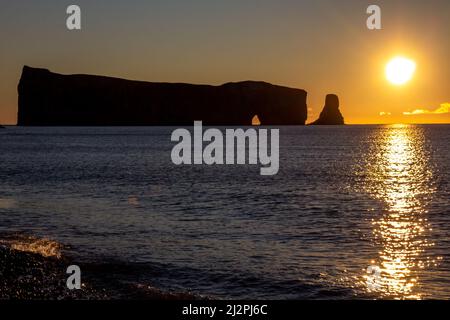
(322,46)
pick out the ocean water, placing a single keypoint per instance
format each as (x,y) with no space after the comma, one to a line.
(345,198)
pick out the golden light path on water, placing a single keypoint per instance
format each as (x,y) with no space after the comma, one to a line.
(401,178)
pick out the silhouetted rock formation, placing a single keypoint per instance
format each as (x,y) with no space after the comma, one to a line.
(2,127)
(330,114)
(47,98)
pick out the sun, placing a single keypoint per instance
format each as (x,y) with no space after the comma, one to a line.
(400,70)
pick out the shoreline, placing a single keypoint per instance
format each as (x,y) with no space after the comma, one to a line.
(32,276)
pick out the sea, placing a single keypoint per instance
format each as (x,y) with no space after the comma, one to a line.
(354,212)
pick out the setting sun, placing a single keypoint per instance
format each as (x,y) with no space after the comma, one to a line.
(400,70)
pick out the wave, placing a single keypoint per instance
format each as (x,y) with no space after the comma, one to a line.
(33,268)
(42,246)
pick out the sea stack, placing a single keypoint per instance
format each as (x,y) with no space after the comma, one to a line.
(330,114)
(52,99)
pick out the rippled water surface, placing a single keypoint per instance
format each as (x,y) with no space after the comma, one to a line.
(354,212)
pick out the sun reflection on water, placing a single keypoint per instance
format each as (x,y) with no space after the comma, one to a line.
(401,179)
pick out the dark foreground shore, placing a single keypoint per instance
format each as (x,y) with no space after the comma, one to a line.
(25,275)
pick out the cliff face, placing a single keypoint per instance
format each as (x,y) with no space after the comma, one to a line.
(47,98)
(330,115)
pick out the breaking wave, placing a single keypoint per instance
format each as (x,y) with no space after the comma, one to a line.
(42,246)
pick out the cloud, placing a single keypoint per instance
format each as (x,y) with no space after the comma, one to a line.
(444,108)
(385,113)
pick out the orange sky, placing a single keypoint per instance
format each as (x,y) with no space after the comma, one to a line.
(321,46)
